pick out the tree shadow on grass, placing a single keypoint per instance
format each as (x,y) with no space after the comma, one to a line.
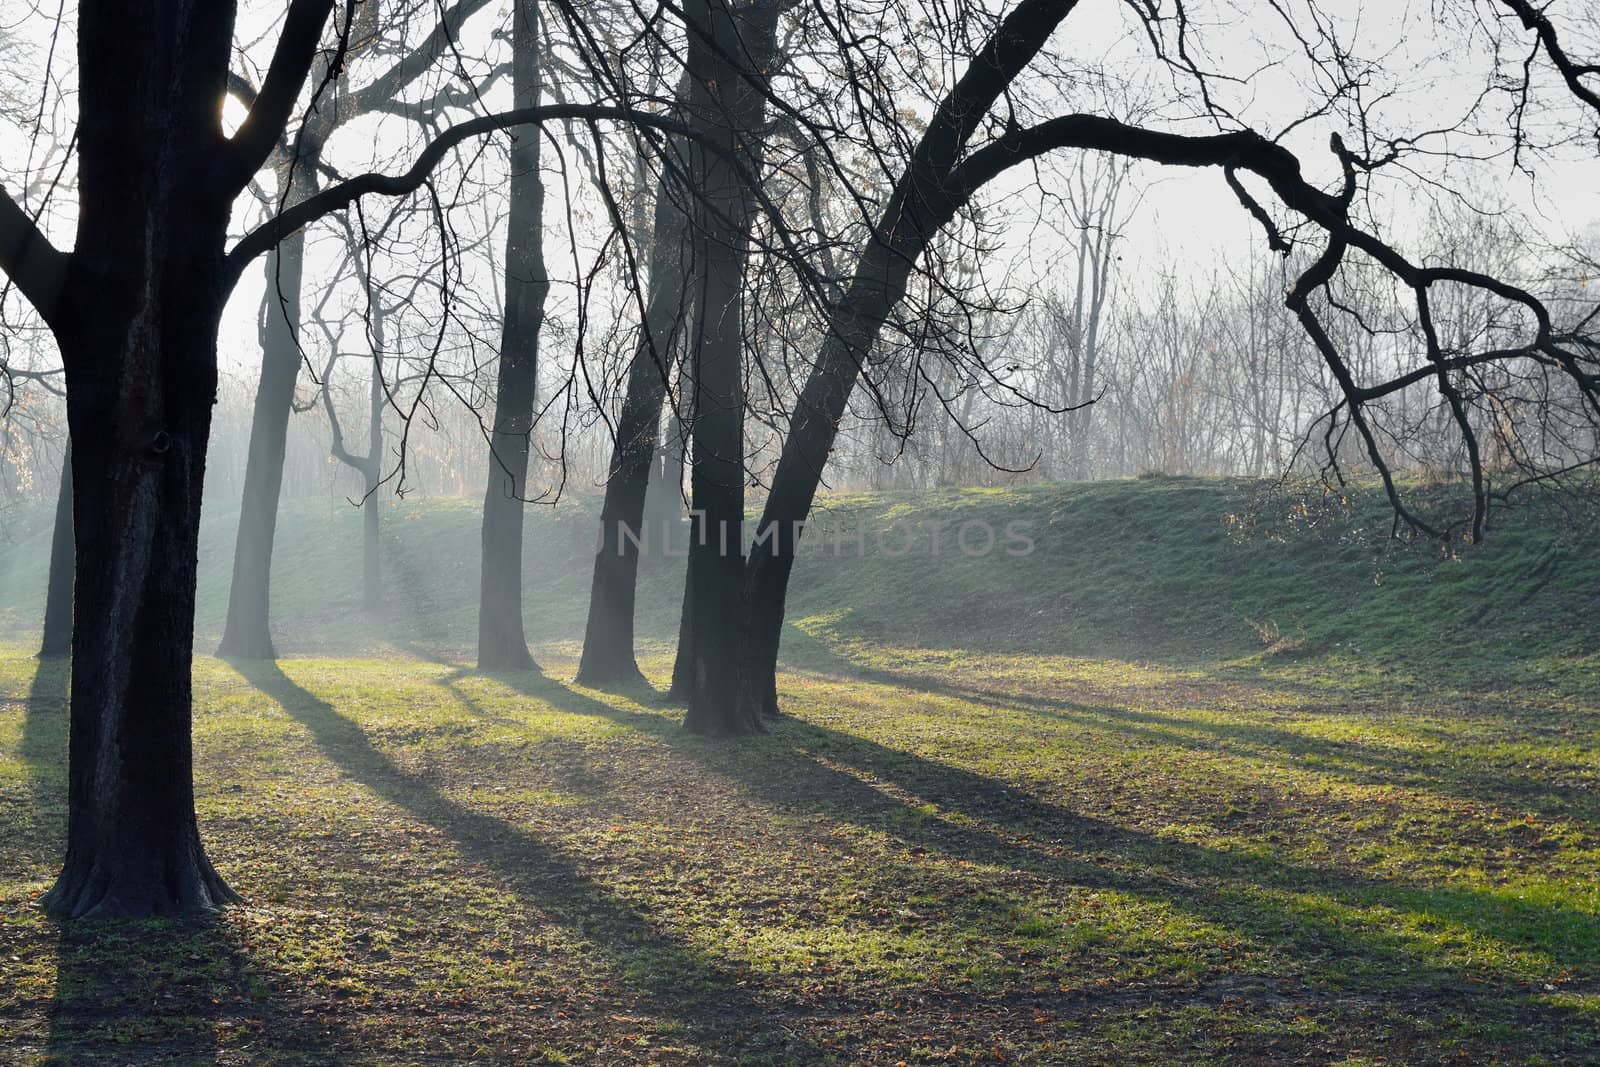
(167,991)
(1334,922)
(671,979)
(137,992)
(1513,784)
(43,748)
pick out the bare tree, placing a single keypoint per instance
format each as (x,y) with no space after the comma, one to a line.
(935,187)
(134,309)
(502,644)
(298,166)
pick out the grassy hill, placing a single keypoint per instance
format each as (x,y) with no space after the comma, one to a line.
(1158,569)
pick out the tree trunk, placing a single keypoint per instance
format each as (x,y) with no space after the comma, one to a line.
(57,639)
(139,343)
(608,636)
(247,633)
(880,282)
(921,204)
(133,845)
(502,641)
(731,104)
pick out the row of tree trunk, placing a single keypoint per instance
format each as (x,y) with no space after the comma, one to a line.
(733,609)
(136,306)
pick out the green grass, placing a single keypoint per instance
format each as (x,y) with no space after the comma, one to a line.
(1067,808)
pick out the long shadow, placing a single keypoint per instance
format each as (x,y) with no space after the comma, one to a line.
(157,991)
(808,770)
(1358,764)
(43,748)
(672,979)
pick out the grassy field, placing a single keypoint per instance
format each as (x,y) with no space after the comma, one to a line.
(1206,778)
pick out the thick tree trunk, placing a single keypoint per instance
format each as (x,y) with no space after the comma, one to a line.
(725,94)
(133,845)
(502,641)
(57,639)
(247,633)
(135,309)
(142,297)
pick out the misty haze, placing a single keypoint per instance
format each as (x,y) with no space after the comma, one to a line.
(786,532)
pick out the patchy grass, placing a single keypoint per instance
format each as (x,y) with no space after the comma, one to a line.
(1208,777)
(934,858)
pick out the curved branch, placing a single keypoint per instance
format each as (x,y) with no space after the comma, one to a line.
(1572,73)
(340,196)
(269,114)
(1247,150)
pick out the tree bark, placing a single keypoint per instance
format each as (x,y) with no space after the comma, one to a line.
(133,843)
(729,93)
(143,299)
(57,640)
(502,640)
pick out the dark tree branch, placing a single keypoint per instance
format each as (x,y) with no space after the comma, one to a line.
(37,268)
(1571,72)
(1248,150)
(269,115)
(340,196)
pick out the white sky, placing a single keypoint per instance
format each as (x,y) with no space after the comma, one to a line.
(1185,218)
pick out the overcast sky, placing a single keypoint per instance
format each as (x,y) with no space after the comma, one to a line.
(1428,76)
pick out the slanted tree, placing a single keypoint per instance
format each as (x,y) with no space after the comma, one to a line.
(936,186)
(920,205)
